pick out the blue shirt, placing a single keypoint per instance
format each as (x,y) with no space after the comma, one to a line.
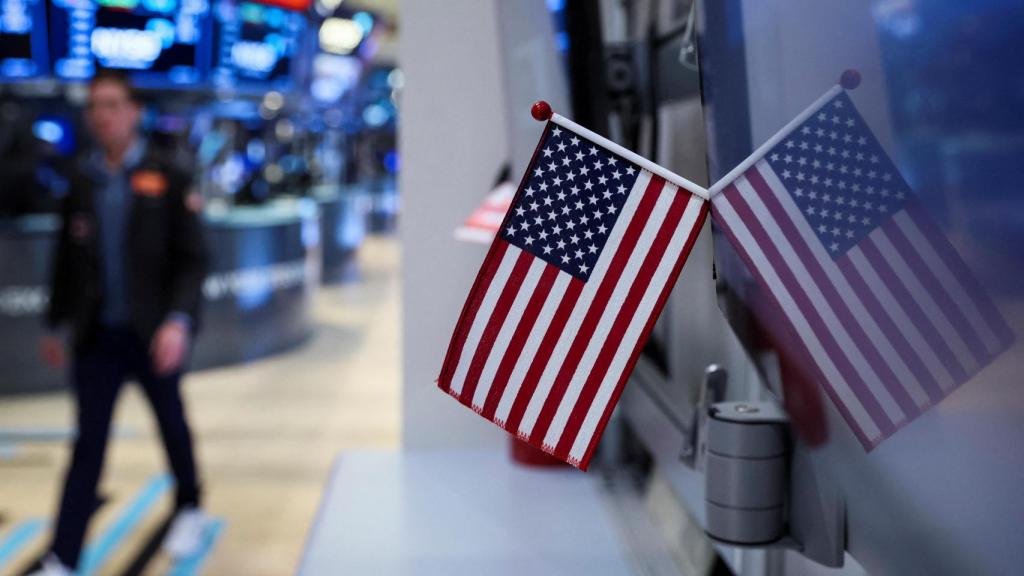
(113,206)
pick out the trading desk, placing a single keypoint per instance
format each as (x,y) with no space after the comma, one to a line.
(264,264)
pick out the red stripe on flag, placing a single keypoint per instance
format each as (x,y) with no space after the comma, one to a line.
(639,346)
(959,269)
(490,333)
(547,346)
(469,312)
(832,297)
(622,320)
(482,282)
(934,287)
(853,379)
(906,301)
(518,340)
(888,326)
(951,311)
(597,308)
(814,367)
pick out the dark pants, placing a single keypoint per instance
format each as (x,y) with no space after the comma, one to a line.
(97,376)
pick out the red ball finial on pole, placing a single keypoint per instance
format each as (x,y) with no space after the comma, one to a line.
(850,79)
(541,111)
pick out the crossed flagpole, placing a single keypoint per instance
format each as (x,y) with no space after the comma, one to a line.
(542,112)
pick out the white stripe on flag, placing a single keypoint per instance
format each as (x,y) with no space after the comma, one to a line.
(493,218)
(876,335)
(532,344)
(508,328)
(579,311)
(483,315)
(615,303)
(924,298)
(796,315)
(899,316)
(820,303)
(467,234)
(948,280)
(636,326)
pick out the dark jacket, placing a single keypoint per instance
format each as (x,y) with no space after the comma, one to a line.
(165,252)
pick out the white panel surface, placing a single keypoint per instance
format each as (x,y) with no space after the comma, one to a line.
(456,513)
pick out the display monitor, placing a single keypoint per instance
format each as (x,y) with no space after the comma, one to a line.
(333,77)
(22,39)
(255,45)
(160,42)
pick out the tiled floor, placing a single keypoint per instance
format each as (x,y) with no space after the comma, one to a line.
(267,434)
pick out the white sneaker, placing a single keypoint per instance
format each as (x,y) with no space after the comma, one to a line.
(185,537)
(52,566)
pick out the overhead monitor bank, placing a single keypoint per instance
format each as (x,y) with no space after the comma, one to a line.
(254,45)
(23,51)
(162,42)
(249,46)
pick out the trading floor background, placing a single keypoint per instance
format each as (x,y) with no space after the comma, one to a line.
(349,164)
(285,114)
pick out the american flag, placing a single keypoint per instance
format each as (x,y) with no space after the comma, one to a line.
(483,224)
(878,298)
(569,292)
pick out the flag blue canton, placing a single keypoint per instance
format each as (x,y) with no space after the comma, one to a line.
(570,201)
(839,176)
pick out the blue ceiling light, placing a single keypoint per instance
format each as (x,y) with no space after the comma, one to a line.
(364,20)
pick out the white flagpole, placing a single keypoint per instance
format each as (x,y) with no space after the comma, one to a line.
(542,111)
(763,149)
(848,81)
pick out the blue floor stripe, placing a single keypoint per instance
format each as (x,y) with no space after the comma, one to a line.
(190,566)
(100,550)
(20,536)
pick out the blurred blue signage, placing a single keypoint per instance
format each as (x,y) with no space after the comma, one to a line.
(22,39)
(161,42)
(255,46)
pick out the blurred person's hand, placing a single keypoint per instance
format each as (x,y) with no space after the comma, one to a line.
(51,348)
(170,344)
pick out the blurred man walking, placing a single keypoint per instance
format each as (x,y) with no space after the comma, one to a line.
(125,295)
